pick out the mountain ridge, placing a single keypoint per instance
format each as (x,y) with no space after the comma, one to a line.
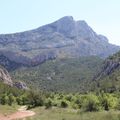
(64,38)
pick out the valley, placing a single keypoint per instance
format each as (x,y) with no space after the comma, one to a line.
(60,71)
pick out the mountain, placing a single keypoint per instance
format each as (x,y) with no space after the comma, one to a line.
(60,75)
(108,78)
(64,38)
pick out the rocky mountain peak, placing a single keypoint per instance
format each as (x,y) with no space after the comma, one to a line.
(70,28)
(66,18)
(65,25)
(83,23)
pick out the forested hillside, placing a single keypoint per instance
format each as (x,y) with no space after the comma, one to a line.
(61,75)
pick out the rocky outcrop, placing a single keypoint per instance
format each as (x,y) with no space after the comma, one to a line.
(21,85)
(110,65)
(11,61)
(5,77)
(65,38)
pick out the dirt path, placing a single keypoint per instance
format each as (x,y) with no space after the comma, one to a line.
(21,113)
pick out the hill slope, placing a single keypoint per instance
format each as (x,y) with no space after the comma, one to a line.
(108,79)
(61,75)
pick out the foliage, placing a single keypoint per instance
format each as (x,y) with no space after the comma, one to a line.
(11,95)
(84,102)
(61,75)
(64,104)
(108,101)
(48,103)
(91,103)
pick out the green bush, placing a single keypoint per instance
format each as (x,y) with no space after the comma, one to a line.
(64,104)
(108,101)
(69,98)
(91,103)
(48,103)
(11,99)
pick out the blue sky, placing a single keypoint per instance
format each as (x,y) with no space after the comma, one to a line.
(21,15)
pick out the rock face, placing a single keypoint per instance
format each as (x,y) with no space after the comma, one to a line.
(21,85)
(108,79)
(65,38)
(110,65)
(5,77)
(9,64)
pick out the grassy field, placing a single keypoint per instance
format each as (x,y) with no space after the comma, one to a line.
(69,114)
(6,110)
(63,114)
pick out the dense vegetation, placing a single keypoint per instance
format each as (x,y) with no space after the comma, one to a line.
(62,75)
(12,95)
(59,106)
(84,102)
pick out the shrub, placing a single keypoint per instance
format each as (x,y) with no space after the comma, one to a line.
(11,99)
(48,103)
(64,104)
(68,98)
(108,101)
(91,103)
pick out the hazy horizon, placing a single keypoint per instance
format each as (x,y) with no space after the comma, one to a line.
(102,16)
